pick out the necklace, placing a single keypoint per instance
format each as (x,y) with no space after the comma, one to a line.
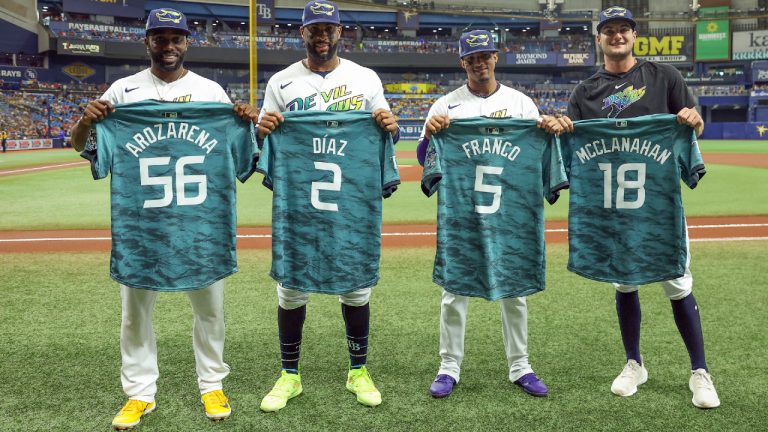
(155,79)
(305,63)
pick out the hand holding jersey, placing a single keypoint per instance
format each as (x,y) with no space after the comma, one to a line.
(627,87)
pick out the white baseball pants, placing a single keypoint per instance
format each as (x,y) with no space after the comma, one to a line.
(138,347)
(514,328)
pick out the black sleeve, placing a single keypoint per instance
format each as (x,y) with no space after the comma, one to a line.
(680,96)
(574,112)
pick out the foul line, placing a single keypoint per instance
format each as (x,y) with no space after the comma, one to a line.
(42,168)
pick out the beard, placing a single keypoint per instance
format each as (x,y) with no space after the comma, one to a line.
(157,59)
(322,58)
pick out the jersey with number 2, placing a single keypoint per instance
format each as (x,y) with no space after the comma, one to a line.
(328,172)
(626,222)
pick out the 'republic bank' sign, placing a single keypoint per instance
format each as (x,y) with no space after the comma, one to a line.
(750,45)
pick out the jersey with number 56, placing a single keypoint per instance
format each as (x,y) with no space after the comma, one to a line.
(492,176)
(328,172)
(626,222)
(173,171)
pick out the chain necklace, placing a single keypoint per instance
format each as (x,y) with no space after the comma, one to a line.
(155,79)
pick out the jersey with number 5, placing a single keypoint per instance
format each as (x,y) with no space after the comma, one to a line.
(173,171)
(492,176)
(328,172)
(626,222)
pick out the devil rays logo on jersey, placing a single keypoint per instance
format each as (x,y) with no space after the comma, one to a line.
(614,12)
(322,9)
(618,102)
(478,40)
(165,15)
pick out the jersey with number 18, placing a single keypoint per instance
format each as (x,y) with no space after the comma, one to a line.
(626,222)
(173,171)
(328,172)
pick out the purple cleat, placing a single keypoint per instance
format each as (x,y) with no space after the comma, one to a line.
(442,386)
(532,385)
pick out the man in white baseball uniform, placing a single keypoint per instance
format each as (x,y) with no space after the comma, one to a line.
(323,82)
(482,96)
(166,80)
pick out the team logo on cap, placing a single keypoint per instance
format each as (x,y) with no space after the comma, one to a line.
(478,40)
(322,9)
(614,12)
(165,15)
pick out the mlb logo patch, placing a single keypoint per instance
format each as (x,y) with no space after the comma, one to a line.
(621,123)
(493,131)
(332,124)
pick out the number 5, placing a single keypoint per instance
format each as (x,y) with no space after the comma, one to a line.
(480,170)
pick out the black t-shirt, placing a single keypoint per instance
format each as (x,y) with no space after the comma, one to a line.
(647,88)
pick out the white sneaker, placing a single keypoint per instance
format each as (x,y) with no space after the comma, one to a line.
(632,376)
(704,393)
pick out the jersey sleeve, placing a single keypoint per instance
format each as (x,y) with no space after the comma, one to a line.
(691,163)
(433,171)
(390,173)
(377,99)
(680,95)
(554,178)
(246,150)
(266,161)
(574,112)
(100,150)
(530,110)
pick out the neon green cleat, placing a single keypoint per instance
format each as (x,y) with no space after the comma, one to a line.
(288,386)
(131,413)
(216,405)
(359,382)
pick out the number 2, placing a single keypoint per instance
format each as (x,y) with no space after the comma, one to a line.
(334,185)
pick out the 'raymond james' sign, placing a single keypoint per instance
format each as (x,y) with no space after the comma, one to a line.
(750,45)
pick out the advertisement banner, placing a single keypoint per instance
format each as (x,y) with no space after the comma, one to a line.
(532,59)
(80,47)
(712,41)
(121,8)
(17,74)
(30,144)
(750,45)
(410,129)
(665,49)
(62,28)
(576,59)
(78,71)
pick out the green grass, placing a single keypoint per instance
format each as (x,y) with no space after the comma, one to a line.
(733,146)
(21,159)
(59,333)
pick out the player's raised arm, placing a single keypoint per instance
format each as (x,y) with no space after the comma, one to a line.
(95,111)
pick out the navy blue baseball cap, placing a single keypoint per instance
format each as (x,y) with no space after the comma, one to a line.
(320,11)
(476,41)
(167,18)
(615,13)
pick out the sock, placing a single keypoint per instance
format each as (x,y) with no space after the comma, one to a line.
(628,310)
(290,322)
(356,319)
(688,321)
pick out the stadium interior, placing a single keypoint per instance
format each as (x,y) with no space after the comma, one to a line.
(59,54)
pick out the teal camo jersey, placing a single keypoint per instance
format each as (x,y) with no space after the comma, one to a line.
(626,223)
(328,172)
(492,176)
(173,171)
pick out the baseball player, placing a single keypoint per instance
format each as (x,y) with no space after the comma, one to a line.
(165,80)
(482,96)
(323,82)
(628,87)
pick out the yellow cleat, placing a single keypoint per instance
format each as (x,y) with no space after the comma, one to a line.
(288,386)
(216,405)
(131,413)
(359,382)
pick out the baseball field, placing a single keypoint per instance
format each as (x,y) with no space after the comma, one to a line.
(60,317)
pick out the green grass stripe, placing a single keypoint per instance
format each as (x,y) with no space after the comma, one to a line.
(21,159)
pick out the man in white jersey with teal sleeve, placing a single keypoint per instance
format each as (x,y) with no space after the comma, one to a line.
(483,96)
(204,160)
(637,180)
(323,82)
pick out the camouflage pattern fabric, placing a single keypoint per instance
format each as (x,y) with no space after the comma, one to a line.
(626,222)
(173,171)
(328,172)
(492,176)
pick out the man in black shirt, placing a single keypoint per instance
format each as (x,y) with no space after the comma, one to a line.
(630,87)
